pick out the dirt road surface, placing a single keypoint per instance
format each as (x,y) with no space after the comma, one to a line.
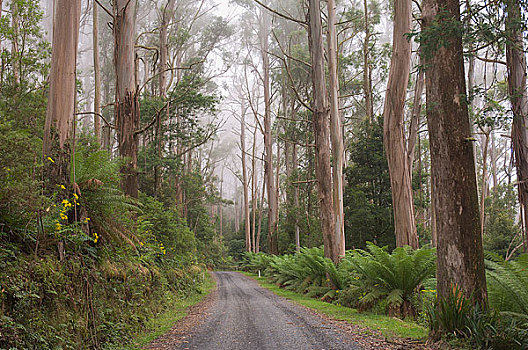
(249,317)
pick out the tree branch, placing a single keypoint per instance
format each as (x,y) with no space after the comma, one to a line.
(303,23)
(97,114)
(105,9)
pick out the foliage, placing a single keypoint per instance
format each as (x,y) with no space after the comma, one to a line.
(362,278)
(367,195)
(508,286)
(76,304)
(393,277)
(306,272)
(457,317)
(389,327)
(255,262)
(501,231)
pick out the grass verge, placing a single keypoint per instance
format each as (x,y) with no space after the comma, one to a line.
(390,327)
(160,325)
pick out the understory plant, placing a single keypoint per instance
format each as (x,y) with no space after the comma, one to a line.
(307,271)
(390,277)
(503,324)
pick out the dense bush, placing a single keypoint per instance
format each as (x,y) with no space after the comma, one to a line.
(392,277)
(78,303)
(86,266)
(503,325)
(362,279)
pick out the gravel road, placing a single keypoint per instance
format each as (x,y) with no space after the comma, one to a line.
(249,317)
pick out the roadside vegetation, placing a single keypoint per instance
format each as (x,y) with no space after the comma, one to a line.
(394,293)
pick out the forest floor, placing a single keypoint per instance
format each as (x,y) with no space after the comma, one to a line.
(240,314)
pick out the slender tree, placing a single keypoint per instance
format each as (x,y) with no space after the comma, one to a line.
(336,131)
(268,140)
(245,179)
(97,72)
(393,128)
(516,63)
(320,121)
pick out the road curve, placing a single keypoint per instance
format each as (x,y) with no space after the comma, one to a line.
(249,317)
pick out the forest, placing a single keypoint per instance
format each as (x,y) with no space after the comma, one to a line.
(371,154)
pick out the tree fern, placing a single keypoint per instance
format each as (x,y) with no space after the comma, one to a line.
(508,285)
(394,277)
(97,180)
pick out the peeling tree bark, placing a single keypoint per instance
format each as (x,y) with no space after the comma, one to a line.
(97,73)
(454,186)
(336,132)
(367,81)
(320,119)
(516,62)
(61,101)
(245,184)
(126,100)
(394,131)
(268,140)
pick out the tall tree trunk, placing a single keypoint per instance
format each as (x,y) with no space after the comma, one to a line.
(367,81)
(454,192)
(414,126)
(516,62)
(14,43)
(221,205)
(254,194)
(261,211)
(493,162)
(166,18)
(394,131)
(61,101)
(245,183)
(484,181)
(126,101)
(321,114)
(295,165)
(268,140)
(106,130)
(277,196)
(336,132)
(97,73)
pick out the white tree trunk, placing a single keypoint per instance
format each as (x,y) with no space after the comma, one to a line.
(336,132)
(393,127)
(61,101)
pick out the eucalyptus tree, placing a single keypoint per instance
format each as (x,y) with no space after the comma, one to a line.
(336,130)
(61,100)
(516,63)
(321,128)
(126,99)
(394,132)
(454,188)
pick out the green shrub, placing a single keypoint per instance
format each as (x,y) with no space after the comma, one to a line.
(508,285)
(394,277)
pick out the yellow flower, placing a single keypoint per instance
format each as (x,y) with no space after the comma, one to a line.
(65,201)
(62,187)
(63,216)
(58,226)
(51,159)
(141,244)
(75,196)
